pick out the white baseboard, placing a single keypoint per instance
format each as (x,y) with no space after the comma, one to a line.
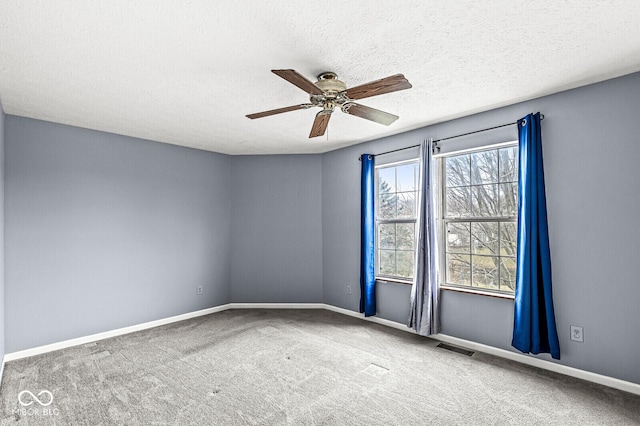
(611,382)
(107,334)
(467,344)
(276,306)
(2,370)
(503,353)
(377,320)
(125,330)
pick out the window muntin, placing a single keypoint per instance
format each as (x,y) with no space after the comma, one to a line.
(479,217)
(396,198)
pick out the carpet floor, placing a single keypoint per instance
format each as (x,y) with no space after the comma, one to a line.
(293,367)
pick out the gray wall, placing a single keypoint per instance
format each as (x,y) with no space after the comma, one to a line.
(1,234)
(591,152)
(105,231)
(276,249)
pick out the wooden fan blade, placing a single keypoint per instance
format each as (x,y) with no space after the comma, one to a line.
(278,111)
(379,87)
(369,113)
(296,79)
(320,124)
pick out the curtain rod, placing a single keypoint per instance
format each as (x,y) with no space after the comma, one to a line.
(452,137)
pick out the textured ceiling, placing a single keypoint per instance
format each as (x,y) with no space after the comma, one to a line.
(188,72)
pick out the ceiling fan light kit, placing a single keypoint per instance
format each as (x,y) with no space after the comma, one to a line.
(329,92)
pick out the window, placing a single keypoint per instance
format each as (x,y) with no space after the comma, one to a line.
(479,217)
(396,198)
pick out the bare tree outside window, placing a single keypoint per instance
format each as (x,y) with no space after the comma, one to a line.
(396,219)
(480,215)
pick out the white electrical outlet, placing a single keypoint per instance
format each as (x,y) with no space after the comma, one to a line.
(199,290)
(577,334)
(348,289)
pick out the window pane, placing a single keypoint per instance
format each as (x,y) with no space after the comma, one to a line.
(484,167)
(406,203)
(478,187)
(404,236)
(508,164)
(459,269)
(457,170)
(406,179)
(387,262)
(508,274)
(508,239)
(458,237)
(484,237)
(387,236)
(485,272)
(484,200)
(508,199)
(404,264)
(387,178)
(386,205)
(396,202)
(458,202)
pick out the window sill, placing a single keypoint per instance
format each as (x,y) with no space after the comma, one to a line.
(450,288)
(478,292)
(393,281)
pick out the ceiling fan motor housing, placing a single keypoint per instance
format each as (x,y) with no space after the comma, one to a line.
(333,92)
(329,83)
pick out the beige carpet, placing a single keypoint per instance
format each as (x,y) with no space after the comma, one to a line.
(294,367)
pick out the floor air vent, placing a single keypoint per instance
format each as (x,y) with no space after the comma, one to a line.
(455,349)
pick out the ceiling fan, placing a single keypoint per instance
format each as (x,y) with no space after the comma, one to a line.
(330,93)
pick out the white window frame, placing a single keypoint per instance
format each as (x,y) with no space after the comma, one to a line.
(389,278)
(443,221)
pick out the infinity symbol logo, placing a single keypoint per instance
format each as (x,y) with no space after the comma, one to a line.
(42,392)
